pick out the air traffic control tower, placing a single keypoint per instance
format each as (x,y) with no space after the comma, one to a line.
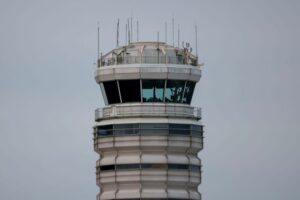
(148,135)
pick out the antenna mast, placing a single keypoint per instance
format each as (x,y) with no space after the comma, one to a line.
(128,31)
(166,32)
(126,34)
(173,30)
(196,35)
(118,24)
(98,42)
(137,30)
(131,30)
(178,36)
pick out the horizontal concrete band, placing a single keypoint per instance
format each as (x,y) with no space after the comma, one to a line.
(148,110)
(150,193)
(148,71)
(166,143)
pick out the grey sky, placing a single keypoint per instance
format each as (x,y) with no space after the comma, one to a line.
(249,93)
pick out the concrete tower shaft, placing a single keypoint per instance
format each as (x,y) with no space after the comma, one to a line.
(148,135)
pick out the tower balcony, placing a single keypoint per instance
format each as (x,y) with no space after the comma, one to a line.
(148,110)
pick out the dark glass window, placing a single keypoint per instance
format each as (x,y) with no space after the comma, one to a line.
(154,128)
(174,91)
(128,166)
(112,92)
(195,168)
(178,166)
(126,129)
(130,90)
(153,90)
(153,166)
(197,130)
(188,92)
(181,129)
(105,130)
(107,167)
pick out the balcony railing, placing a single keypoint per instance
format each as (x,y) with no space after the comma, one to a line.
(143,110)
(180,60)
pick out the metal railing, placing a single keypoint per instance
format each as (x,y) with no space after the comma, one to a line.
(147,110)
(147,59)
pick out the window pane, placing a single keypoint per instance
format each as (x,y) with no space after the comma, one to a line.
(180,129)
(197,130)
(130,91)
(154,128)
(188,92)
(111,91)
(178,166)
(127,166)
(126,129)
(107,167)
(174,91)
(105,130)
(153,90)
(195,168)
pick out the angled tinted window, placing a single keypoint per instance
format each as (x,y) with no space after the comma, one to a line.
(154,128)
(188,92)
(105,130)
(178,166)
(181,129)
(126,129)
(111,91)
(153,90)
(130,91)
(174,91)
(194,168)
(107,167)
(128,166)
(196,130)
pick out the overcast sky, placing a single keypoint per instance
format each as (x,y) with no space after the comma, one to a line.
(249,93)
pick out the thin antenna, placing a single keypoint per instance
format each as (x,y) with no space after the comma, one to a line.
(118,24)
(137,30)
(196,35)
(178,36)
(173,30)
(157,47)
(166,32)
(128,31)
(98,41)
(126,34)
(131,30)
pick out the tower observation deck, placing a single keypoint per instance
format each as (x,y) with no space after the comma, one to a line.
(148,135)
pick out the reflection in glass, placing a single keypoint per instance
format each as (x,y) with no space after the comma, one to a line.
(188,92)
(105,130)
(153,90)
(174,91)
